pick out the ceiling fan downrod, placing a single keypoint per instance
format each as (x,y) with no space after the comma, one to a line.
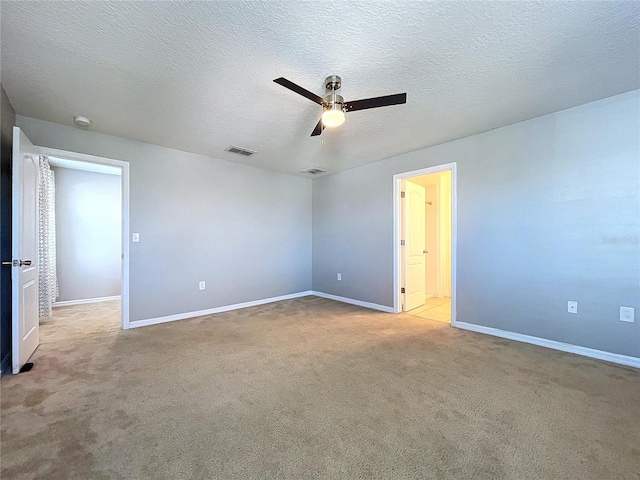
(333,84)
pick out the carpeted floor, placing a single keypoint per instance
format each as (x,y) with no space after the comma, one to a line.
(311,388)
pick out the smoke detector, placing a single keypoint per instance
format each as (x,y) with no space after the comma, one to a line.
(82,121)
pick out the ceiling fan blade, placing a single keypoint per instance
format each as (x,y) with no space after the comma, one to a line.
(299,90)
(385,101)
(318,130)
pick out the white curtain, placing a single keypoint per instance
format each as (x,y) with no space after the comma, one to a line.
(47,279)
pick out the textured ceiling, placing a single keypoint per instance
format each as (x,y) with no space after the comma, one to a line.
(199,76)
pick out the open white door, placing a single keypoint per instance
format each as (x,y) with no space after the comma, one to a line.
(24,269)
(414,235)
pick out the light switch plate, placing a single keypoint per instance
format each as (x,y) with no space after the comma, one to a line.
(627,314)
(135,238)
(201,285)
(572,307)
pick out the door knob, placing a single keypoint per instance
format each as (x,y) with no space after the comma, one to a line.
(25,262)
(424,251)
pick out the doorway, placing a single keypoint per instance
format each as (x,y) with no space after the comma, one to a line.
(33,291)
(92,248)
(88,224)
(425,243)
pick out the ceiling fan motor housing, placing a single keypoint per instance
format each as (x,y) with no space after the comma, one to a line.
(331,99)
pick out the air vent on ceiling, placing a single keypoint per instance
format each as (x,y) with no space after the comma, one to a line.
(314,170)
(242,151)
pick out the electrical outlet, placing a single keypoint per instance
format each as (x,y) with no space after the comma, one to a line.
(339,276)
(627,314)
(201,285)
(135,238)
(572,307)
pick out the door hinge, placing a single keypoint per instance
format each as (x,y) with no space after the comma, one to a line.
(402,290)
(401,194)
(402,243)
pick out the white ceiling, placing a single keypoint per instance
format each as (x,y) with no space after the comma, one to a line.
(199,76)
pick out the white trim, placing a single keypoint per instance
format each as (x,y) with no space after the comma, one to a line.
(84,166)
(543,342)
(397,265)
(124,166)
(439,289)
(82,301)
(225,308)
(359,303)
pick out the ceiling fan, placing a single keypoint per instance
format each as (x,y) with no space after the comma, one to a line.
(333,105)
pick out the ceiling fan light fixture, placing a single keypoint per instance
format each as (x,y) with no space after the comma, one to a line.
(333,116)
(334,107)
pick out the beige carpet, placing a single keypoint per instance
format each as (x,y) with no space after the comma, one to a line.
(311,388)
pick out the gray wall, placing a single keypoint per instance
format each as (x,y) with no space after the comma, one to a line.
(548,211)
(88,234)
(243,230)
(8,117)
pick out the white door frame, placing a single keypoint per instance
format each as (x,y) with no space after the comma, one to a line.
(124,166)
(397,231)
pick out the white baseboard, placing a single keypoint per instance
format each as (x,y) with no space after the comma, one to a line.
(226,308)
(359,303)
(543,342)
(82,301)
(209,311)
